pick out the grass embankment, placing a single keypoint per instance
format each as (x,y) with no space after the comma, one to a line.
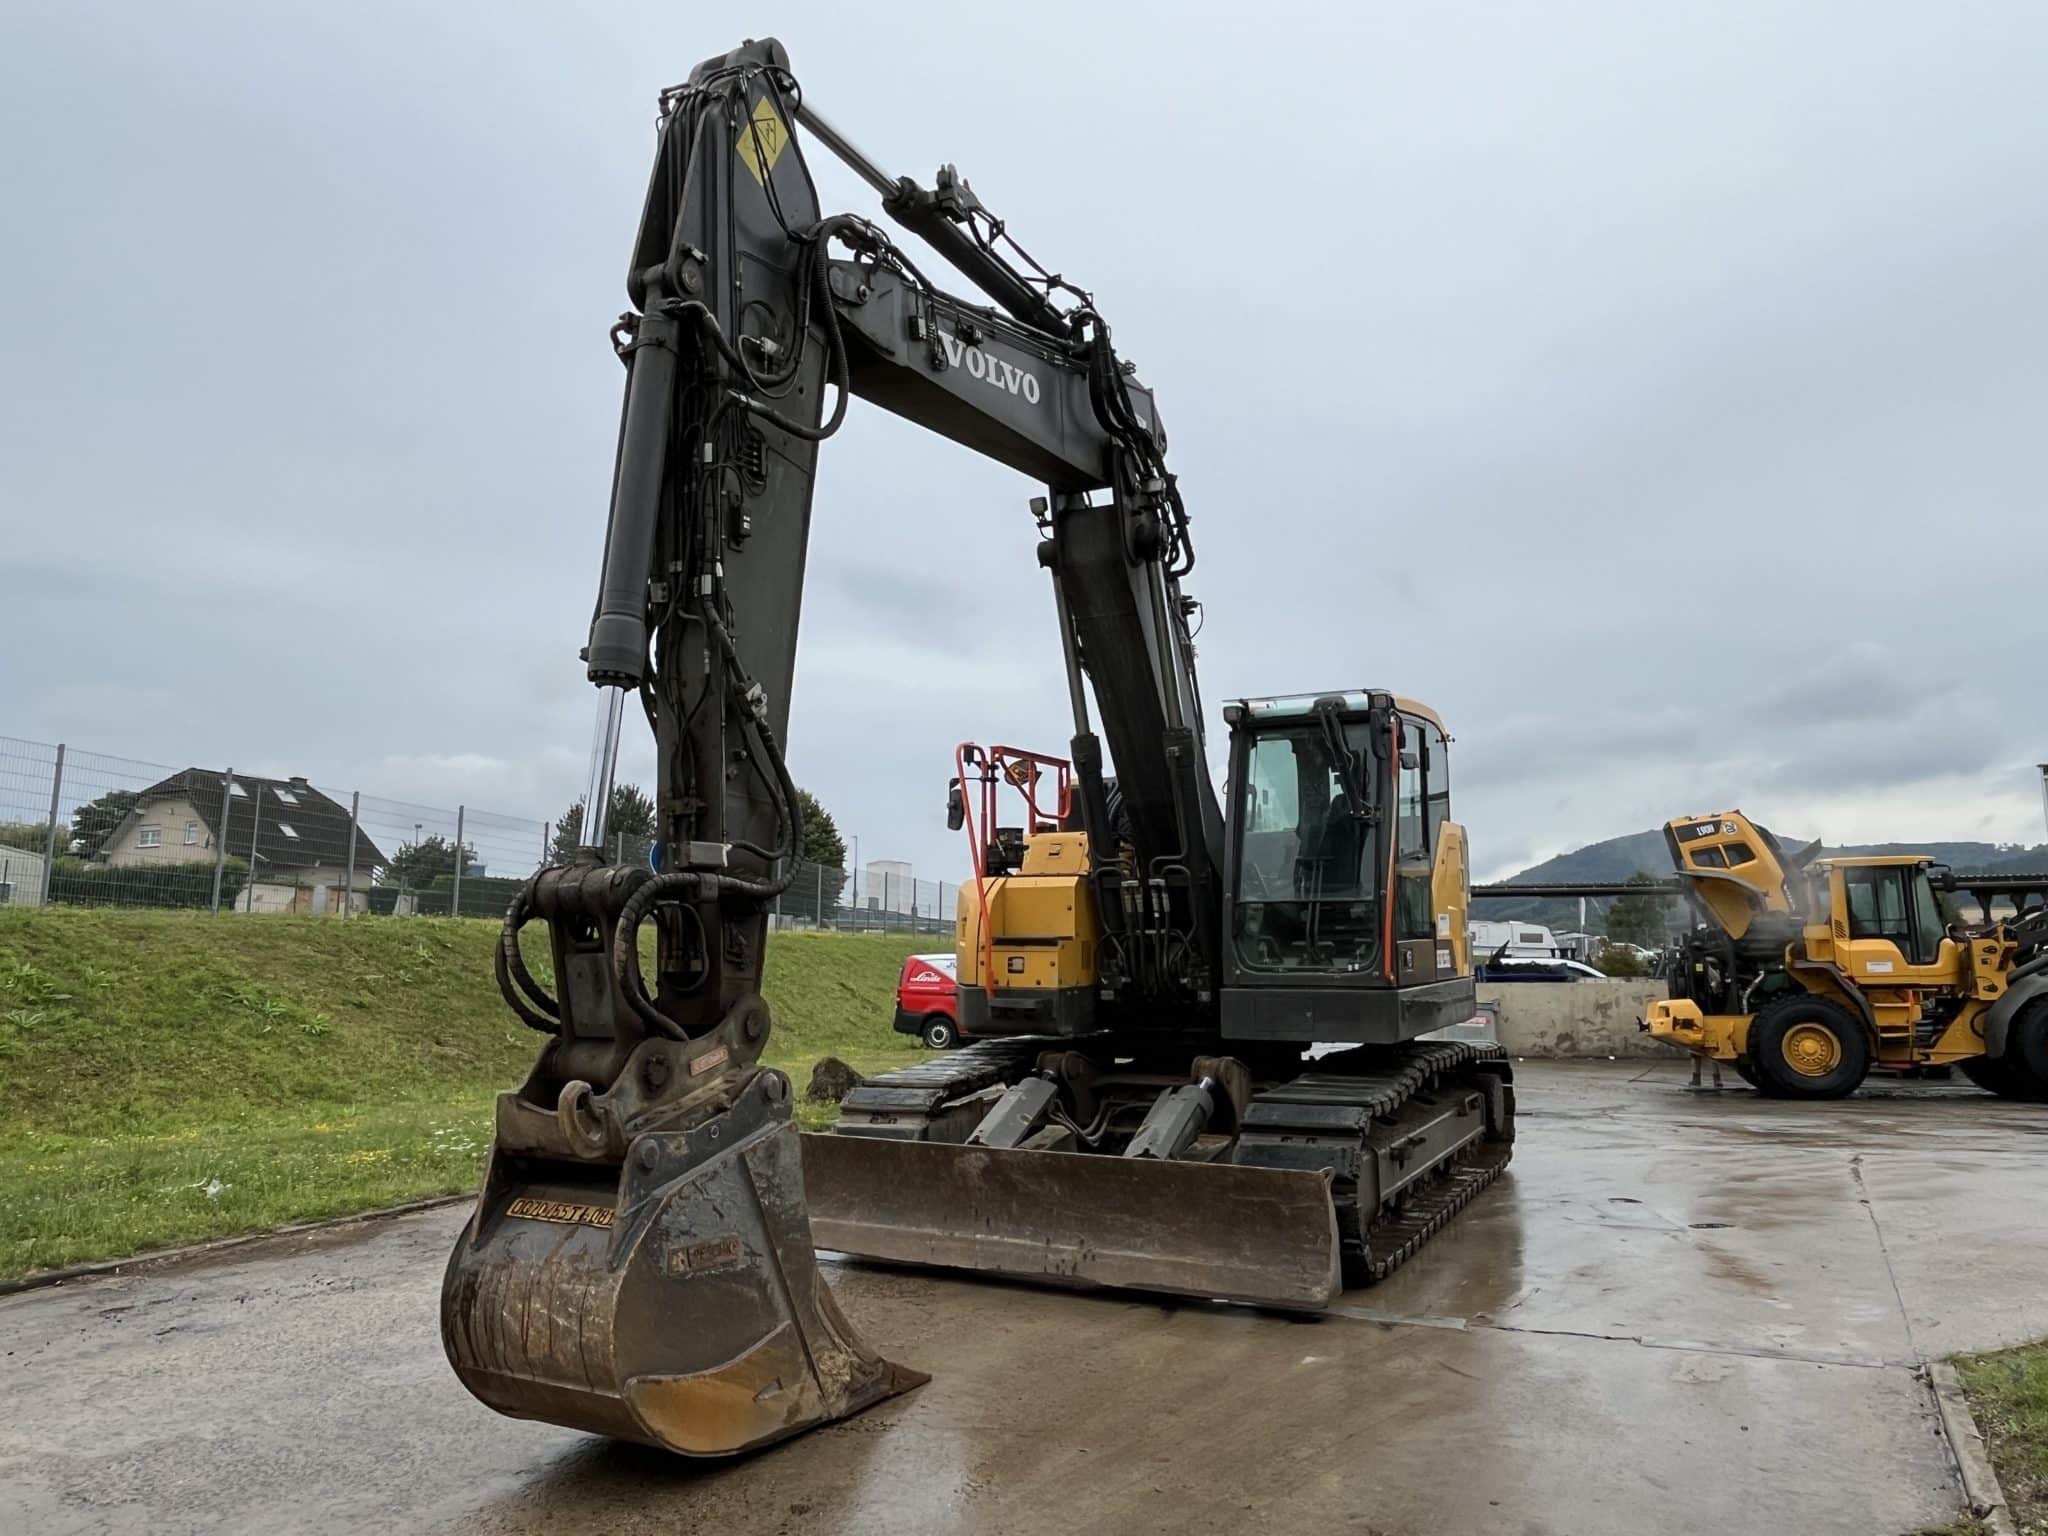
(2008,1395)
(171,1076)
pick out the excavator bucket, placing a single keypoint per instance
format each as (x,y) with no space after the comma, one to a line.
(678,1305)
(1260,1236)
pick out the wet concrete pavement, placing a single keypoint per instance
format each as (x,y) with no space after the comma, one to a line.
(1676,1313)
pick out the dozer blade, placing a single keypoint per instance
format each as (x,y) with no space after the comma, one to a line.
(679,1306)
(1262,1236)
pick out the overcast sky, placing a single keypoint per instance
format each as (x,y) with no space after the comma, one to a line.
(1658,390)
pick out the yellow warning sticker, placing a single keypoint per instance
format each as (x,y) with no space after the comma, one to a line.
(527,1208)
(762,140)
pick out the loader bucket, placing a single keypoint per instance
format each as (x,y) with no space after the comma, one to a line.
(677,1303)
(1262,1236)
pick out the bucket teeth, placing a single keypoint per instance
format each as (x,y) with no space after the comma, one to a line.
(679,1306)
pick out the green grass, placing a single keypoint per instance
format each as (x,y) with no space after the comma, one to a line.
(2008,1395)
(171,1076)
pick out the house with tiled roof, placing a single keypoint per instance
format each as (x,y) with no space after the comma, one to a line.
(295,840)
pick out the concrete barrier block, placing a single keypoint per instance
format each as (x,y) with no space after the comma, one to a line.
(1567,1019)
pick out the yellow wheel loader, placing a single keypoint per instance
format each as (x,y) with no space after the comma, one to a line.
(1807,974)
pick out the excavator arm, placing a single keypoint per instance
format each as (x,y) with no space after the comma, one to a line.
(639,1261)
(752,310)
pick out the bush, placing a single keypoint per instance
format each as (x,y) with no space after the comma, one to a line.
(482,896)
(76,883)
(1615,961)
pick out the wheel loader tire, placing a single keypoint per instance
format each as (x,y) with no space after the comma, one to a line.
(2027,1044)
(2007,1078)
(1747,1073)
(938,1033)
(1808,1048)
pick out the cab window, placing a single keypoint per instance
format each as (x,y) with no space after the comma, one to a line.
(1413,831)
(1436,782)
(1274,788)
(1881,906)
(1928,924)
(1877,904)
(1416,824)
(1308,860)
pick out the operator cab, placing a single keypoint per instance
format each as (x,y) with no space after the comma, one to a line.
(1344,914)
(1892,900)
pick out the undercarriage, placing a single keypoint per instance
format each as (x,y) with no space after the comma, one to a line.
(1036,1160)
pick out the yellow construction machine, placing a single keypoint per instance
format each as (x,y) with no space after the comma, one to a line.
(1806,974)
(1138,1108)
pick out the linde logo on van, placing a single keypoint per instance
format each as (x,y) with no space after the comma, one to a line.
(992,371)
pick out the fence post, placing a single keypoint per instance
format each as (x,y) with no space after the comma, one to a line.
(818,911)
(50,832)
(461,858)
(220,839)
(255,828)
(348,889)
(546,847)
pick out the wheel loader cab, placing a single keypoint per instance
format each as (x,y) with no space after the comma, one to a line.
(1345,877)
(1888,923)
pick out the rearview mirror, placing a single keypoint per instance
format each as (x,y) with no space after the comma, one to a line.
(956,807)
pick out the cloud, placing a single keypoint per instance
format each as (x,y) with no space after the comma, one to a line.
(1659,395)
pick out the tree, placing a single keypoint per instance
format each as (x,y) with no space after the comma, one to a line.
(820,872)
(630,812)
(822,842)
(31,835)
(1640,919)
(94,822)
(416,866)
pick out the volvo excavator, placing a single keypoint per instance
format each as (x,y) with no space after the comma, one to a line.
(1139,1109)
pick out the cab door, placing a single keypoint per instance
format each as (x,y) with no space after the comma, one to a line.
(1418,821)
(1896,936)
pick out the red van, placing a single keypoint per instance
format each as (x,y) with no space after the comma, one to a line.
(928,1000)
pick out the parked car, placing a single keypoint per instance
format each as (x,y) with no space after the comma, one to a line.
(1538,970)
(928,1000)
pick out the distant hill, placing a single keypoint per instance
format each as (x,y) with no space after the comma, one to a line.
(1620,857)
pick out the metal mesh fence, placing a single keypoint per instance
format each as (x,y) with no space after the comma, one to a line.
(86,829)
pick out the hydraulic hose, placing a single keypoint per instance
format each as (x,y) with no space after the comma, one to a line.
(703,885)
(542,1012)
(626,945)
(835,342)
